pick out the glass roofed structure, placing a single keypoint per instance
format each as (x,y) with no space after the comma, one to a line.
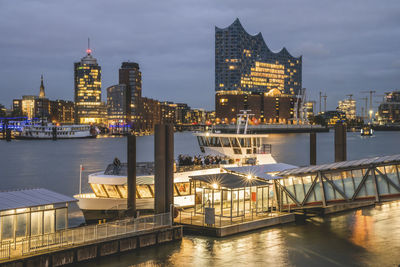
(372,179)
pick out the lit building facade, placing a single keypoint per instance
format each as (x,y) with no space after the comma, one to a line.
(389,110)
(131,77)
(348,106)
(117,105)
(309,108)
(88,106)
(62,111)
(244,63)
(248,75)
(28,106)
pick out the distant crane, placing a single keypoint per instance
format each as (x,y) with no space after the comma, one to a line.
(364,115)
(371,92)
(320,100)
(325,96)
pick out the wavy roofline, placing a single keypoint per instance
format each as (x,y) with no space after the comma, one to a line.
(256,36)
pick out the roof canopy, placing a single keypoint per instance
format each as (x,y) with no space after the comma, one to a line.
(342,165)
(31,198)
(261,171)
(229,180)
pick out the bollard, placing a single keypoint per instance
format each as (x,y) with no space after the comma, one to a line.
(313,148)
(54,133)
(8,135)
(131,211)
(340,142)
(164,167)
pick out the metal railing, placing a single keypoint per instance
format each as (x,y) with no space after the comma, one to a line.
(5,248)
(82,235)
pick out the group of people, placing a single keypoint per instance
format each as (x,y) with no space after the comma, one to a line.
(186,160)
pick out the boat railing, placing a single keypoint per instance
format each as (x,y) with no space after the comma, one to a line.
(188,168)
(264,149)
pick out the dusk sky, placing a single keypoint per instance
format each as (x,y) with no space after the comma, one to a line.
(347,46)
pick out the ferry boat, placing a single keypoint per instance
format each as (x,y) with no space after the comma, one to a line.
(108,199)
(366,130)
(52,131)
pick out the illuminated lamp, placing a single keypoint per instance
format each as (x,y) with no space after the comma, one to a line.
(215,185)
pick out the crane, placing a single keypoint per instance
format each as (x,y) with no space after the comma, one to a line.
(325,96)
(371,92)
(364,110)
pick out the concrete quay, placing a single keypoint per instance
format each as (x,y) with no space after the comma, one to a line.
(90,251)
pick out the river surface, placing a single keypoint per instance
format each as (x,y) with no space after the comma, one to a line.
(367,237)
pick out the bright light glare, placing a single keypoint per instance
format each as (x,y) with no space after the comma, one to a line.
(249,176)
(215,186)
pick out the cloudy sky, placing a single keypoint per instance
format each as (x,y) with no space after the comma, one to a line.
(347,46)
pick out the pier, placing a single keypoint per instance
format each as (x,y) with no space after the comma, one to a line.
(90,242)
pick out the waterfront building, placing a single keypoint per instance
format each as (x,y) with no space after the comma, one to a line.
(32,212)
(348,106)
(28,106)
(3,110)
(168,112)
(249,73)
(389,109)
(62,111)
(87,77)
(266,109)
(117,105)
(17,107)
(309,108)
(334,116)
(182,113)
(150,115)
(131,77)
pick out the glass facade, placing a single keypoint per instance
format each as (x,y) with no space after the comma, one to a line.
(16,224)
(244,63)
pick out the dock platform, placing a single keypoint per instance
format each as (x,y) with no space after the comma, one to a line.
(194,224)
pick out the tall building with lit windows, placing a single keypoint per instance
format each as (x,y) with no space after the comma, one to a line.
(88,106)
(130,75)
(246,67)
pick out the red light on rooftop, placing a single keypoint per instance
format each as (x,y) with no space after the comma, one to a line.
(88,51)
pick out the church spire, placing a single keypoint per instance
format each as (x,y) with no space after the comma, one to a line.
(41,94)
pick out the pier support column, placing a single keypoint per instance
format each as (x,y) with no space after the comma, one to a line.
(340,142)
(313,148)
(164,167)
(131,176)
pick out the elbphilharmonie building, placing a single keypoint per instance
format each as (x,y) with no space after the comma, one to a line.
(244,63)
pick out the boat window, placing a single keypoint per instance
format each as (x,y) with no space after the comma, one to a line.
(175,191)
(234,142)
(241,141)
(151,186)
(225,142)
(98,190)
(200,139)
(183,188)
(247,142)
(248,151)
(215,142)
(112,191)
(144,191)
(237,151)
(123,189)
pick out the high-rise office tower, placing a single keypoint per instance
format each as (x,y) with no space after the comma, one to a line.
(88,105)
(130,75)
(245,64)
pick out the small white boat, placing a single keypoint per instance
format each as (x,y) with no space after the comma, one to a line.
(52,131)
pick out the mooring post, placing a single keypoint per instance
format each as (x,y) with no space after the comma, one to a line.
(313,148)
(164,167)
(131,176)
(340,142)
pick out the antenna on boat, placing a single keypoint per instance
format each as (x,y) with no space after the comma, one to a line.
(243,113)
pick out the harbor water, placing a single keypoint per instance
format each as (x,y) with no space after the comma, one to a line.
(367,237)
